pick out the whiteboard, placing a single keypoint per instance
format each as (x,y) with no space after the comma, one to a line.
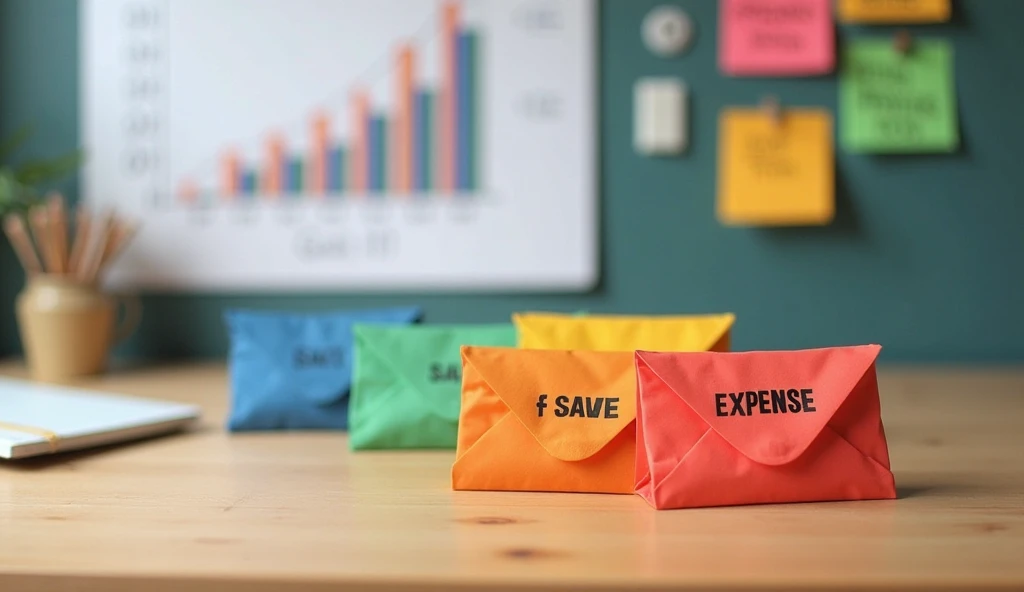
(281,145)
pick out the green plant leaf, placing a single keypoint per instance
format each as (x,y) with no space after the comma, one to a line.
(48,169)
(15,197)
(10,145)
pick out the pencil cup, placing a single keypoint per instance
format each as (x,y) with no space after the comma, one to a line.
(68,327)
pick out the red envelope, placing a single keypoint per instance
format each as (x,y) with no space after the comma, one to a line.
(723,429)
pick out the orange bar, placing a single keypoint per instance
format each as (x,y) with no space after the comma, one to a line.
(449,106)
(358,160)
(318,155)
(188,192)
(272,181)
(230,171)
(402,156)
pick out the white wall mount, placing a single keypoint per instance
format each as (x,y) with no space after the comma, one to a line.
(660,116)
(668,31)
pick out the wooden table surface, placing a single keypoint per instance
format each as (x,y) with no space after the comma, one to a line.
(289,512)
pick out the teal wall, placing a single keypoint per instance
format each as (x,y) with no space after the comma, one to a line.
(924,257)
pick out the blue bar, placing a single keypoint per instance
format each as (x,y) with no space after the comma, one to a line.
(378,152)
(422,140)
(371,151)
(334,169)
(464,92)
(295,176)
(248,182)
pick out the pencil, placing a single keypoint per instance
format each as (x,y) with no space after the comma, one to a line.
(95,248)
(14,227)
(121,235)
(40,225)
(59,229)
(83,224)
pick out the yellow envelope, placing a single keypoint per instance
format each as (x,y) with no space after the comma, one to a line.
(693,333)
(776,171)
(894,11)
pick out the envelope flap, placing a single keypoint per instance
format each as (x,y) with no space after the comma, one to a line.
(426,358)
(573,402)
(623,333)
(768,405)
(394,360)
(311,351)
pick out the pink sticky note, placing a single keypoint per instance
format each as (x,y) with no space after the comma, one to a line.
(776,37)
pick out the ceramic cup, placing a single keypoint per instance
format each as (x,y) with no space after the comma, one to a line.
(68,327)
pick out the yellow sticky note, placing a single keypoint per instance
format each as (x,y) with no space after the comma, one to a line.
(776,172)
(894,11)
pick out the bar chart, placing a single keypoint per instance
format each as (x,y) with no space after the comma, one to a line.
(345,144)
(425,144)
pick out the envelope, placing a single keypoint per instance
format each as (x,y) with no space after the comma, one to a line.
(291,371)
(407,383)
(546,420)
(723,429)
(623,333)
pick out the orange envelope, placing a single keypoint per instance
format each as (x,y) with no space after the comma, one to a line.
(546,420)
(723,429)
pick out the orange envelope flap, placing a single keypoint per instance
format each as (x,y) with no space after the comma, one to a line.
(600,386)
(737,394)
(700,332)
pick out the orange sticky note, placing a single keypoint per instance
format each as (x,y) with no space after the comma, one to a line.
(546,420)
(894,11)
(776,171)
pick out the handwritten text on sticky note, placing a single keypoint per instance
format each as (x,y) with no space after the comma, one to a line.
(894,11)
(777,37)
(776,172)
(898,103)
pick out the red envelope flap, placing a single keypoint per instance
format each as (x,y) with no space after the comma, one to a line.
(768,405)
(573,402)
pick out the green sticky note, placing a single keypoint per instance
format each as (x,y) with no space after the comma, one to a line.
(898,103)
(407,383)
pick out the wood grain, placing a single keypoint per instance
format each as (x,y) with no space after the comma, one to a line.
(297,512)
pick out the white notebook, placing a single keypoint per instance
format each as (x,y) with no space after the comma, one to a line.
(40,419)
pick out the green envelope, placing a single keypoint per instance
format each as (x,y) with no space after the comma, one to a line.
(407,383)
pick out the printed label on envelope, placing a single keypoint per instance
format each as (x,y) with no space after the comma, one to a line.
(899,103)
(777,37)
(894,11)
(546,420)
(776,172)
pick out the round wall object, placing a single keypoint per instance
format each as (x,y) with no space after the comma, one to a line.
(668,30)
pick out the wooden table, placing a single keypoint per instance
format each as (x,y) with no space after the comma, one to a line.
(286,512)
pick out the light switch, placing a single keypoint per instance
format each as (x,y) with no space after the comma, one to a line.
(660,125)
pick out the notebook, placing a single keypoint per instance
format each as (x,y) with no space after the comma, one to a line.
(37,419)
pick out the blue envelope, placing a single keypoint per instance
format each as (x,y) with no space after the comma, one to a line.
(292,371)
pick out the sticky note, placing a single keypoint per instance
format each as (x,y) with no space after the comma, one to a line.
(776,37)
(896,103)
(894,11)
(776,172)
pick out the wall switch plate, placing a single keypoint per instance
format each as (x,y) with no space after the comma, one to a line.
(660,116)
